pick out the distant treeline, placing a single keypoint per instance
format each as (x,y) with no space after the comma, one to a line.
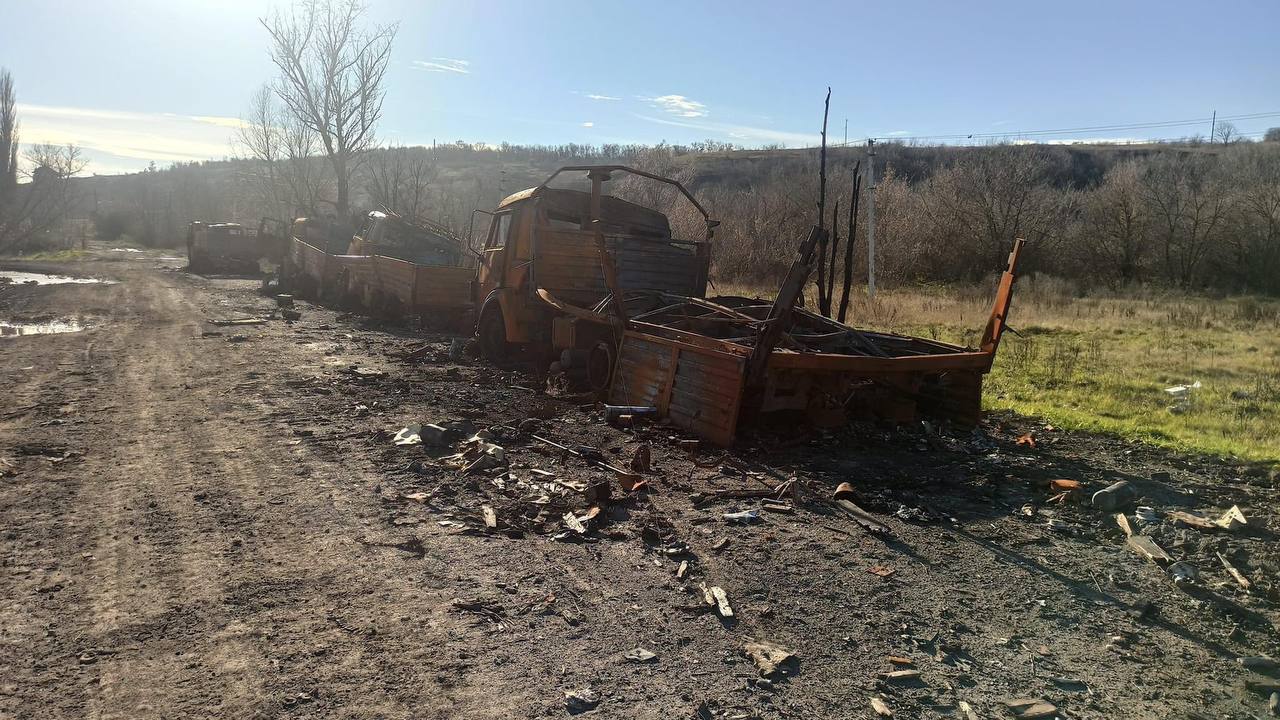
(1191,215)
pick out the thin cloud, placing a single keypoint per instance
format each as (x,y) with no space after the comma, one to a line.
(588,124)
(129,136)
(443,64)
(595,96)
(679,105)
(229,122)
(896,133)
(744,134)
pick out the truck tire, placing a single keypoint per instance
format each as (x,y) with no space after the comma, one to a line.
(492,334)
(600,368)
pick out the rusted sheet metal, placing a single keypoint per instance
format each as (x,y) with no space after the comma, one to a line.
(696,388)
(395,279)
(567,264)
(690,358)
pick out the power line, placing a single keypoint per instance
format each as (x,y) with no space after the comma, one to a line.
(1077,130)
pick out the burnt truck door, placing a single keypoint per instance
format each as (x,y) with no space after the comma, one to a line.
(493,262)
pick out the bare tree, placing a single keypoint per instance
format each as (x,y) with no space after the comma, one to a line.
(1187,203)
(1253,223)
(399,178)
(1226,133)
(331,73)
(30,210)
(8,139)
(289,173)
(1116,222)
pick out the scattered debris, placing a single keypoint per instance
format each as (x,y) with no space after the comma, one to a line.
(409,435)
(1147,548)
(1258,663)
(490,516)
(1186,519)
(881,570)
(1028,439)
(682,570)
(640,655)
(1030,708)
(1232,519)
(1123,522)
(1183,572)
(1114,496)
(880,709)
(715,595)
(745,517)
(235,322)
(642,458)
(1235,573)
(967,709)
(768,657)
(898,676)
(580,701)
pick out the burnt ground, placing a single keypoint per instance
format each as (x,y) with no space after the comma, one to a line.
(206,521)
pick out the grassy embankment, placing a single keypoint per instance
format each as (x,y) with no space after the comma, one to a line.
(1103,363)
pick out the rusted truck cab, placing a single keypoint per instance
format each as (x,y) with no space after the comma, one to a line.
(550,251)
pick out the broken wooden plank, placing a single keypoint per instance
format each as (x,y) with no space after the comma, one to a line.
(1147,548)
(863,518)
(1123,521)
(721,601)
(1193,521)
(1239,576)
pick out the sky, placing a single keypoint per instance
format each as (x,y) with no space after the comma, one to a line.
(140,81)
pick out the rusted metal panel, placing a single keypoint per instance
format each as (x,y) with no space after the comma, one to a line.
(394,278)
(567,264)
(442,287)
(696,388)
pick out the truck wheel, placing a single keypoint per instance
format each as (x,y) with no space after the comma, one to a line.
(492,332)
(600,367)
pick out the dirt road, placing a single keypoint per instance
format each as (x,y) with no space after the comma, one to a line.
(213,522)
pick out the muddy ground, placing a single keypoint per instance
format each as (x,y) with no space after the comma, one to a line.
(204,521)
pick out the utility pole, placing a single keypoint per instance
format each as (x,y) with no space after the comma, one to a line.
(1213,126)
(871,217)
(846,131)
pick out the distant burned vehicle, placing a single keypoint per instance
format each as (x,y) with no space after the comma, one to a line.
(390,266)
(227,247)
(550,251)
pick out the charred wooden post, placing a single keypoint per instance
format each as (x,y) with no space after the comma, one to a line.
(824,301)
(779,318)
(848,245)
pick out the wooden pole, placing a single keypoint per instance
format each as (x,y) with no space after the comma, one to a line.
(833,251)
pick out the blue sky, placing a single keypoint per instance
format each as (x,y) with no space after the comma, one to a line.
(141,80)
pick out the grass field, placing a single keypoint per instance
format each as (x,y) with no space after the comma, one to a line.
(1103,362)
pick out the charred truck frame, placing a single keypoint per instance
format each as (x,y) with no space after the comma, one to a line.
(551,251)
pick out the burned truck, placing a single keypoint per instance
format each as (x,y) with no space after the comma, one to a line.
(391,266)
(228,247)
(552,251)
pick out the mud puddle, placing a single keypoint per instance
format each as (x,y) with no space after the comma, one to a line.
(43,327)
(18,277)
